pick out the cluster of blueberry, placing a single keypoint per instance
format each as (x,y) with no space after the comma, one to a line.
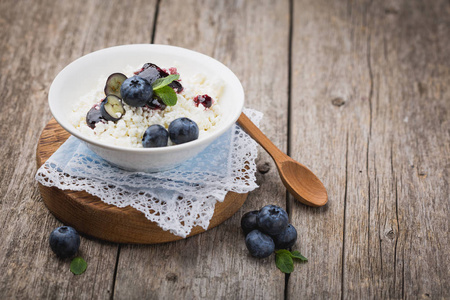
(267,229)
(64,241)
(137,91)
(181,130)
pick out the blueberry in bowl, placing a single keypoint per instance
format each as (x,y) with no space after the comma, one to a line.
(152,72)
(114,83)
(111,108)
(136,91)
(155,136)
(204,100)
(183,130)
(156,103)
(94,116)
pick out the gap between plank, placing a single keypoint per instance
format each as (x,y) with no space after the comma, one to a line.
(115,273)
(344,222)
(155,20)
(289,119)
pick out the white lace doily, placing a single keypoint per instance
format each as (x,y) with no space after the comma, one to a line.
(170,198)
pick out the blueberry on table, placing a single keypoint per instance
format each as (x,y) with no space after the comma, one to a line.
(183,130)
(111,108)
(155,136)
(94,116)
(272,219)
(64,241)
(286,239)
(136,91)
(248,221)
(259,244)
(113,84)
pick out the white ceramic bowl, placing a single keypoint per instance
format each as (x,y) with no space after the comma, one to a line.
(81,76)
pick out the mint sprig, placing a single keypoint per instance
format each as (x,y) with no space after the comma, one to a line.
(162,82)
(78,266)
(296,254)
(165,92)
(284,260)
(167,95)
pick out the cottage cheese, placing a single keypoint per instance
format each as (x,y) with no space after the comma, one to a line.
(128,131)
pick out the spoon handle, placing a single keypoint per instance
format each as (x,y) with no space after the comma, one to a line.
(260,137)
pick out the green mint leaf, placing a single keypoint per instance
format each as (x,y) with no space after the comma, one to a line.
(283,251)
(296,254)
(162,82)
(167,95)
(284,261)
(78,266)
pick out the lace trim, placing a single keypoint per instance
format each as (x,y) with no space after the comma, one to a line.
(174,205)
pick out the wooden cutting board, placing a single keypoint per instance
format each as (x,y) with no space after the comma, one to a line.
(90,216)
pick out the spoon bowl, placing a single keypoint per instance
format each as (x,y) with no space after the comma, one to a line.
(302,183)
(298,179)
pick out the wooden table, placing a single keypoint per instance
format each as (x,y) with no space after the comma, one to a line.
(356,90)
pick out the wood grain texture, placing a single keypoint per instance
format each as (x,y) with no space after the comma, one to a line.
(90,216)
(375,87)
(368,112)
(37,39)
(318,138)
(252,39)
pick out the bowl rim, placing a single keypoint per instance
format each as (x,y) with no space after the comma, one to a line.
(173,148)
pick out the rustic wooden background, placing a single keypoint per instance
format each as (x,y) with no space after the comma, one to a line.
(356,90)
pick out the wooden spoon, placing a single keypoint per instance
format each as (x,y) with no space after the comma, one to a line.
(298,179)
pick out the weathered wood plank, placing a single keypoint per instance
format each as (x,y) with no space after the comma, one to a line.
(409,157)
(326,69)
(383,154)
(252,39)
(37,39)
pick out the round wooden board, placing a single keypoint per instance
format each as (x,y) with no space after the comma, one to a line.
(90,216)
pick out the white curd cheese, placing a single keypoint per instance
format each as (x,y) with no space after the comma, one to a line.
(128,131)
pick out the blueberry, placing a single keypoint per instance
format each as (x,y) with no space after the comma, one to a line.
(113,84)
(94,116)
(248,221)
(183,130)
(176,85)
(152,72)
(286,239)
(155,136)
(136,91)
(259,244)
(272,219)
(64,241)
(204,100)
(156,103)
(111,108)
